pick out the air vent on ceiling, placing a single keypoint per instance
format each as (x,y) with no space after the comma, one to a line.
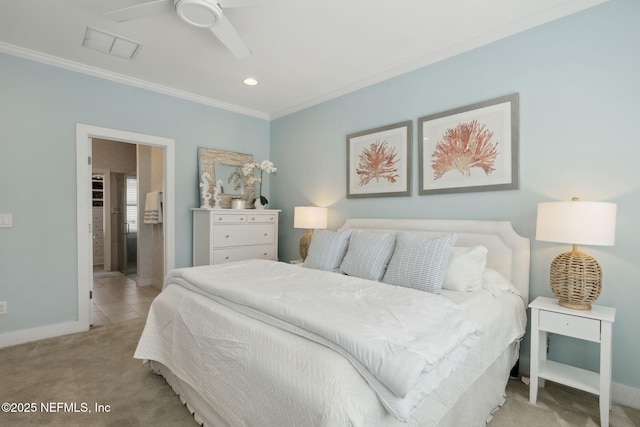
(110,43)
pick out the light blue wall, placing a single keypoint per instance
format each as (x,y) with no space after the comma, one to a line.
(578,80)
(579,91)
(39,108)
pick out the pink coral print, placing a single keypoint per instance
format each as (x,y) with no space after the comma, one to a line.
(377,162)
(466,146)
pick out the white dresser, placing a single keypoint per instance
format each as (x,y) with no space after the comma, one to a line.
(226,235)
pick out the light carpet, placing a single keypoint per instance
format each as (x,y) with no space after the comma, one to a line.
(91,379)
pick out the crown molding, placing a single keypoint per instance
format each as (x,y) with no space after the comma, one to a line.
(55,61)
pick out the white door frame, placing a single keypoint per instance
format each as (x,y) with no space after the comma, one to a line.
(84,134)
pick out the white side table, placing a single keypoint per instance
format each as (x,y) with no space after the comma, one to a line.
(591,325)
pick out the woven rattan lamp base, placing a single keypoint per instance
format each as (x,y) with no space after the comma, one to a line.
(305,241)
(576,279)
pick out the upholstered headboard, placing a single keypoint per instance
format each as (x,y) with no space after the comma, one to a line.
(508,252)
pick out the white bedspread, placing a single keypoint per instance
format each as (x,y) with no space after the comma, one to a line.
(404,342)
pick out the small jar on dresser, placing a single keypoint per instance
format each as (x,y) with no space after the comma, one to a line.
(226,235)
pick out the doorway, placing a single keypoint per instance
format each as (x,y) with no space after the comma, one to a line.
(84,136)
(116,218)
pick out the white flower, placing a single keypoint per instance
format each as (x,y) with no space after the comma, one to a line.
(247,168)
(267,166)
(247,171)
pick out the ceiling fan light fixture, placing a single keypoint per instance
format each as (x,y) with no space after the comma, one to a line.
(199,13)
(250,81)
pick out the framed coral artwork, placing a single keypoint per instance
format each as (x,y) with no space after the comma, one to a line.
(379,161)
(471,148)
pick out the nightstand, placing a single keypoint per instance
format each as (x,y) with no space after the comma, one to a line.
(591,325)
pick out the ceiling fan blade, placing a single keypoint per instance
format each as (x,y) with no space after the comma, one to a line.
(143,10)
(229,37)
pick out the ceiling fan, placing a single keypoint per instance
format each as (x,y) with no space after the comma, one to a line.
(199,13)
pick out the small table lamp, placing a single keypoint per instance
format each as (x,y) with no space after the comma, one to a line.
(310,217)
(576,277)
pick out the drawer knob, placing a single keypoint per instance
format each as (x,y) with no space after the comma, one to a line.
(226,235)
(227,257)
(241,218)
(219,218)
(265,254)
(253,218)
(265,234)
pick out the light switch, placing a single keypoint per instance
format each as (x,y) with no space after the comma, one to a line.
(6,220)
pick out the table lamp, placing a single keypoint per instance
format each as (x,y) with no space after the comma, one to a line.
(576,277)
(309,217)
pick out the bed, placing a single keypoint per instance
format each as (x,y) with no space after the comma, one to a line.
(266,343)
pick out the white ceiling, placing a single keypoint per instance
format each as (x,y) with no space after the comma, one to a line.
(304,51)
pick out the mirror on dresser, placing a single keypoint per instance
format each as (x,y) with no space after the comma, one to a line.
(225,166)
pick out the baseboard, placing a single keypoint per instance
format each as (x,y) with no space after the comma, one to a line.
(620,394)
(9,339)
(625,395)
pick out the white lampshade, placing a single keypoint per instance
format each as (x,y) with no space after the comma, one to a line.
(576,222)
(311,217)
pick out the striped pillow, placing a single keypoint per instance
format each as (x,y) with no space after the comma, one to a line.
(368,255)
(327,249)
(420,262)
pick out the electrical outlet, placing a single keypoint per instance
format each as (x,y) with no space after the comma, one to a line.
(3,307)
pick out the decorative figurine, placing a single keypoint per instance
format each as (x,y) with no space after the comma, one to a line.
(204,190)
(216,194)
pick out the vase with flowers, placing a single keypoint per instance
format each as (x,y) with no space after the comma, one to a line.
(251,178)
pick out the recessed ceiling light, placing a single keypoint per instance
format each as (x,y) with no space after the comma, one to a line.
(250,81)
(110,43)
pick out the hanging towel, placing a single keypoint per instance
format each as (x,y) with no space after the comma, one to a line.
(153,208)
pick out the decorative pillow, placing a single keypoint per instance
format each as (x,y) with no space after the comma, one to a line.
(465,269)
(496,283)
(420,262)
(368,255)
(327,249)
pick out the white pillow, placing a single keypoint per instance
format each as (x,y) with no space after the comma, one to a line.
(420,262)
(496,283)
(465,269)
(327,249)
(368,255)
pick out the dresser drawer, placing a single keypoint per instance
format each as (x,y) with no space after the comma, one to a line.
(229,218)
(236,235)
(270,218)
(221,256)
(98,249)
(572,326)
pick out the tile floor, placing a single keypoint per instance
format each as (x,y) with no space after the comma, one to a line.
(116,299)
